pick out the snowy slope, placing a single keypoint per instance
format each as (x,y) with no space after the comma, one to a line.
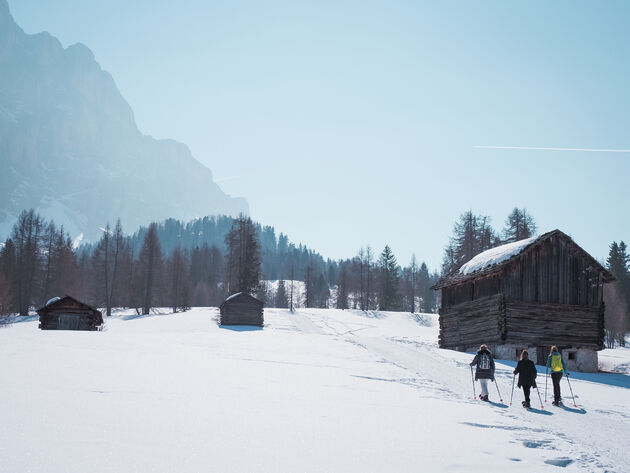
(314,391)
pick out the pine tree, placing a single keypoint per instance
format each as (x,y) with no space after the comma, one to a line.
(619,265)
(388,297)
(281,296)
(309,287)
(342,288)
(518,226)
(243,264)
(472,234)
(322,292)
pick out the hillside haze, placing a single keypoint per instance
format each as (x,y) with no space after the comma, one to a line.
(70,147)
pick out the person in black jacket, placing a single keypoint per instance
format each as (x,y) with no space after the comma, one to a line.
(526,370)
(485,369)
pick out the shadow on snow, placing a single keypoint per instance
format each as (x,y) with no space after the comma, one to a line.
(241,328)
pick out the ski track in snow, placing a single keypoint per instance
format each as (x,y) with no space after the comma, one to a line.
(430,370)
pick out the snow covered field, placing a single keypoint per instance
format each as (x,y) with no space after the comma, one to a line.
(314,391)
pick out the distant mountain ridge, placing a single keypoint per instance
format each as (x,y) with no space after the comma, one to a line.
(70,147)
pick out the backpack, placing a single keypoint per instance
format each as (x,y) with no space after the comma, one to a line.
(556,362)
(484,361)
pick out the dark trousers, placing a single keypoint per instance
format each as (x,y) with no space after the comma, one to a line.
(556,377)
(526,392)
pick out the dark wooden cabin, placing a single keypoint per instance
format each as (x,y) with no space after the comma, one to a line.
(67,313)
(532,294)
(242,309)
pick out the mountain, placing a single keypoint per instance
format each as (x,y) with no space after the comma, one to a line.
(70,147)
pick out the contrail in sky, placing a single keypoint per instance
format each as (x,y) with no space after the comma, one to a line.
(536,148)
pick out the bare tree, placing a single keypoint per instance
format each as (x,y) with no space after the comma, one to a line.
(178,280)
(149,262)
(413,282)
(26,237)
(615,316)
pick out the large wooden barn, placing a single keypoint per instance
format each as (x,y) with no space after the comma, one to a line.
(532,294)
(67,313)
(242,309)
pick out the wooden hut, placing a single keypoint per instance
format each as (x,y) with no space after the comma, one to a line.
(242,309)
(67,313)
(533,294)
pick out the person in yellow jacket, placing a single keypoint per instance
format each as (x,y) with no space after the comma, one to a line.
(555,363)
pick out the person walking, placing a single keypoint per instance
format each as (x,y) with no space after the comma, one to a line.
(557,366)
(485,369)
(526,370)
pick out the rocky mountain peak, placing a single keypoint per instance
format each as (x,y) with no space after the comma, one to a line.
(71,148)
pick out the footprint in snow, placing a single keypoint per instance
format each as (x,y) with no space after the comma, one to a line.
(562,462)
(538,444)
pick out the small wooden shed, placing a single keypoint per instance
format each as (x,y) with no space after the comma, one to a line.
(242,309)
(532,294)
(68,313)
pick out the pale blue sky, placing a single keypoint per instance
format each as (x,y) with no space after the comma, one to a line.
(353,123)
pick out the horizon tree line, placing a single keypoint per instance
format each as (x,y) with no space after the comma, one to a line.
(39,261)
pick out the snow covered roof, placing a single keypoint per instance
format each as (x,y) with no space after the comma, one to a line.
(494,259)
(496,255)
(54,299)
(233,296)
(241,294)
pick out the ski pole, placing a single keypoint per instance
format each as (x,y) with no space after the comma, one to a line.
(497,385)
(473,381)
(546,377)
(512,395)
(574,404)
(541,403)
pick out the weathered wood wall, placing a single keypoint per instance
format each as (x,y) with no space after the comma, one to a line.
(555,272)
(473,323)
(242,312)
(51,322)
(534,324)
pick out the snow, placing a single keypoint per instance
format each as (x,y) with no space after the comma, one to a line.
(496,255)
(54,299)
(233,296)
(318,390)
